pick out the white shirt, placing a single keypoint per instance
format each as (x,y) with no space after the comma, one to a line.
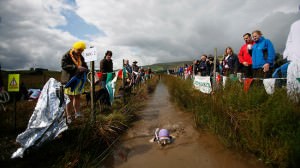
(292,49)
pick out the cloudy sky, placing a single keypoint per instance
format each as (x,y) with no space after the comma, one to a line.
(36,33)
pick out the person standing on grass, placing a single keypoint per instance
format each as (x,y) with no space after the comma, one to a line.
(263,56)
(128,68)
(135,70)
(149,71)
(210,63)
(292,53)
(229,62)
(245,55)
(72,64)
(203,66)
(135,67)
(106,66)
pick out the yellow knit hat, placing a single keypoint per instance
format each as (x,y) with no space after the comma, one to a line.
(79,45)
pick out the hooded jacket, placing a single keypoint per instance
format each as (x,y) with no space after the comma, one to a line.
(262,52)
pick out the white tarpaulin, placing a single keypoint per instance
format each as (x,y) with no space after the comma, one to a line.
(47,120)
(203,84)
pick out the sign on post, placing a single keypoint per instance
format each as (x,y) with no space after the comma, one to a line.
(13,83)
(14,86)
(90,54)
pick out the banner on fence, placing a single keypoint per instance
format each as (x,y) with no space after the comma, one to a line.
(203,84)
(269,85)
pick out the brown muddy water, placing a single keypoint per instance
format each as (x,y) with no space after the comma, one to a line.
(192,148)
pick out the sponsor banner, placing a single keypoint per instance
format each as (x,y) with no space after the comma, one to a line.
(203,84)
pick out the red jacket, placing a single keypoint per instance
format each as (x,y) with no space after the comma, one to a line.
(244,55)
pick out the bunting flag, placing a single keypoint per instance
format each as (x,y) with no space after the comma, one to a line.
(110,86)
(109,77)
(247,84)
(224,81)
(99,74)
(124,72)
(218,78)
(233,77)
(120,74)
(269,85)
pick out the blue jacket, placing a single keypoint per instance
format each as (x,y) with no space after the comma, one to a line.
(259,48)
(281,72)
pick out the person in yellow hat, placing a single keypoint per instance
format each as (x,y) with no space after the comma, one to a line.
(73,63)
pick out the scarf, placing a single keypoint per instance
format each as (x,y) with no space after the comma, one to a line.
(75,59)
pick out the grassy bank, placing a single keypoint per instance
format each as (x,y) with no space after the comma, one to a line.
(83,144)
(266,125)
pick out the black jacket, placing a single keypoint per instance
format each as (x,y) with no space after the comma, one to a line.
(69,68)
(105,67)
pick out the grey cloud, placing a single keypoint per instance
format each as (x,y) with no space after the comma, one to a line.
(146,31)
(27,37)
(277,26)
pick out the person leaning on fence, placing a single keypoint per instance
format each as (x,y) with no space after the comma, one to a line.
(196,65)
(128,68)
(142,74)
(245,55)
(106,66)
(73,63)
(149,73)
(135,70)
(203,66)
(181,71)
(263,56)
(229,62)
(292,53)
(210,65)
(187,71)
(135,67)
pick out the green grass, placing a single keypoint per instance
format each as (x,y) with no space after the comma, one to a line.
(84,144)
(266,125)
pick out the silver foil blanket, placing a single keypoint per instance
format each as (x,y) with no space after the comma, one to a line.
(47,120)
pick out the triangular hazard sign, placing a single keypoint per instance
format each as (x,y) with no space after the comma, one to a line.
(13,83)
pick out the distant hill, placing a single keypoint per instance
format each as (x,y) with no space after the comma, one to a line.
(168,65)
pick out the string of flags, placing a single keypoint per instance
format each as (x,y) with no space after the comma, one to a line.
(203,83)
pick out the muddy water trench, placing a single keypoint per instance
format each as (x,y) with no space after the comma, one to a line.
(191,148)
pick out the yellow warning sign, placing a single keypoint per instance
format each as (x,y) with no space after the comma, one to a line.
(13,82)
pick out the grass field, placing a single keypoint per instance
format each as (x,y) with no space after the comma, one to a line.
(84,144)
(265,125)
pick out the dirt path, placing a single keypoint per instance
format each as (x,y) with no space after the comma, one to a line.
(192,148)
